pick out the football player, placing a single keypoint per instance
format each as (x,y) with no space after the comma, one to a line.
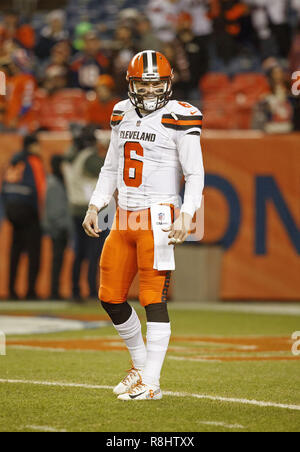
(153,141)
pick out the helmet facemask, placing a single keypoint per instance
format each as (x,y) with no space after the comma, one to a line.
(148,99)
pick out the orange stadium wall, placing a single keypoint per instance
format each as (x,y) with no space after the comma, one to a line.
(252,208)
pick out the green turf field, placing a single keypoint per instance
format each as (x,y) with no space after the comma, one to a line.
(225,371)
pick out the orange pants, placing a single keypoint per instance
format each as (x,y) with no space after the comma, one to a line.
(128,250)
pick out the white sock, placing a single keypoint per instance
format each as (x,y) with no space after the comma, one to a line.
(131,332)
(158,336)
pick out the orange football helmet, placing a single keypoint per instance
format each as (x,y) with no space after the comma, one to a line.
(150,67)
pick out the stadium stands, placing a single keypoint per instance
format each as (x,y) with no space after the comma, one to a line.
(231,99)
(56,112)
(231,88)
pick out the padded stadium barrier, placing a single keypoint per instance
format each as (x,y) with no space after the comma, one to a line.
(252,211)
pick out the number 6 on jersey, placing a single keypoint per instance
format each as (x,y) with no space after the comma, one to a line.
(133,168)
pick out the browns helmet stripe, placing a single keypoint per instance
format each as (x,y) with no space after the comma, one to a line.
(145,62)
(154,61)
(150,62)
(149,59)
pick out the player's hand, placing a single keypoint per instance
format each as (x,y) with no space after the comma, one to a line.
(90,223)
(179,230)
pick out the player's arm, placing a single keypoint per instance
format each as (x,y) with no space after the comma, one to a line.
(105,188)
(190,156)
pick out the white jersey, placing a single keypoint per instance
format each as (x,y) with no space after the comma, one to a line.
(163,16)
(149,154)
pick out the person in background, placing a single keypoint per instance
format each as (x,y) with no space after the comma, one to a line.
(55,106)
(101,103)
(21,86)
(294,56)
(57,221)
(147,39)
(23,194)
(163,17)
(55,79)
(274,113)
(2,114)
(59,56)
(80,31)
(228,18)
(202,25)
(51,34)
(196,53)
(124,48)
(278,18)
(175,53)
(89,64)
(11,30)
(271,25)
(81,174)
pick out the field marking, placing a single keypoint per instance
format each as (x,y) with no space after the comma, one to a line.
(39,305)
(44,428)
(233,358)
(195,359)
(222,424)
(38,349)
(48,349)
(259,403)
(215,349)
(252,307)
(259,308)
(199,360)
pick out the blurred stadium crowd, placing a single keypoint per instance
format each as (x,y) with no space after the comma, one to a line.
(233,58)
(66,69)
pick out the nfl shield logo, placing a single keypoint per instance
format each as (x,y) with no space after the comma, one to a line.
(161,217)
(138,123)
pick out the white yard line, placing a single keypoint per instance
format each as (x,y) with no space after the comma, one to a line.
(258,403)
(44,428)
(222,424)
(200,360)
(37,348)
(259,308)
(254,307)
(33,305)
(57,383)
(207,359)
(50,349)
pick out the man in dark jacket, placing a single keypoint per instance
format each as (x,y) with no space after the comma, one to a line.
(23,194)
(57,221)
(81,178)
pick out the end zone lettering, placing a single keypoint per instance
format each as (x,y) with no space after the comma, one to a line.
(137,135)
(296,344)
(296,84)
